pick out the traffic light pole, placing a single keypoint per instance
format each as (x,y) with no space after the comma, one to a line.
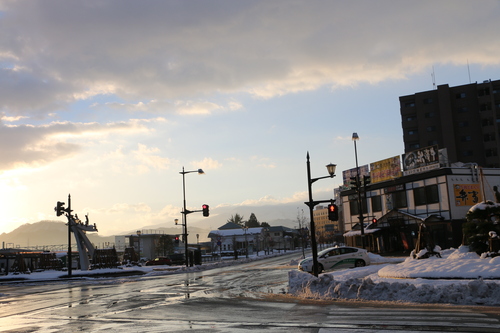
(311,203)
(70,258)
(360,206)
(185,212)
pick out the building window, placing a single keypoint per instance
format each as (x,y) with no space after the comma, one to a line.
(487,122)
(414,146)
(489,137)
(466,138)
(490,152)
(399,199)
(483,92)
(376,203)
(463,124)
(429,115)
(430,128)
(409,104)
(413,132)
(432,194)
(411,117)
(419,196)
(432,142)
(428,101)
(460,95)
(353,206)
(467,153)
(485,107)
(462,109)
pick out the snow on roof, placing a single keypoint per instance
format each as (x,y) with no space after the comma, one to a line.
(235,232)
(358,232)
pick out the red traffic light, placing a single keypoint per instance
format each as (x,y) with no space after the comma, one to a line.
(333,212)
(205,209)
(374,220)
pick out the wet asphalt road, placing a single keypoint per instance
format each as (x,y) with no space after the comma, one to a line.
(242,298)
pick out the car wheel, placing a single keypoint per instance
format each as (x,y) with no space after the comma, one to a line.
(360,263)
(321,269)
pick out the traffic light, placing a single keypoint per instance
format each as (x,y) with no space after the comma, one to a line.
(366,180)
(205,210)
(176,239)
(354,182)
(59,208)
(374,220)
(333,212)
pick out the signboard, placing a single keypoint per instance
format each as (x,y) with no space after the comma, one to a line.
(467,194)
(347,174)
(384,170)
(421,160)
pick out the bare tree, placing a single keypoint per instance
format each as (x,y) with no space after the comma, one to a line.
(301,219)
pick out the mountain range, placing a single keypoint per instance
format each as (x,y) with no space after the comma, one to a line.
(55,233)
(46,233)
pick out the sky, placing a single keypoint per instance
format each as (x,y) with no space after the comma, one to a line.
(109,100)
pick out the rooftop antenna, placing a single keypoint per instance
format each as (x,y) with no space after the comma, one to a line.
(468,69)
(433,75)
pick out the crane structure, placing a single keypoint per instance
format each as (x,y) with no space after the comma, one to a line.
(79,229)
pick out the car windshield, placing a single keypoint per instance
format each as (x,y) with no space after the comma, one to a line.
(326,251)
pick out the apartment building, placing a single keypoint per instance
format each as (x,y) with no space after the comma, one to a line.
(463,119)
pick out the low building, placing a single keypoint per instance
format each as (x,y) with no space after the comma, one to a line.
(433,202)
(149,244)
(232,237)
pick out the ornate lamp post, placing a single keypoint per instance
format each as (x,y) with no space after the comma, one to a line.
(245,229)
(331,171)
(355,138)
(139,243)
(185,212)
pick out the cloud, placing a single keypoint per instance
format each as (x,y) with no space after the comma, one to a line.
(124,207)
(34,146)
(54,53)
(148,157)
(207,164)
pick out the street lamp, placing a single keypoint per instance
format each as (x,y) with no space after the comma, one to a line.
(139,242)
(331,171)
(245,229)
(185,212)
(355,138)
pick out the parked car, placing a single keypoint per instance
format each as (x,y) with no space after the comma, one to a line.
(177,258)
(337,257)
(159,261)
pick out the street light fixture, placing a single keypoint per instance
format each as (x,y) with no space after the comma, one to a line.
(245,229)
(331,171)
(355,138)
(185,212)
(139,242)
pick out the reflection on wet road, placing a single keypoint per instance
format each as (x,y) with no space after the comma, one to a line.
(242,298)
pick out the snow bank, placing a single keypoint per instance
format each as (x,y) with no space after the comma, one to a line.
(453,279)
(327,286)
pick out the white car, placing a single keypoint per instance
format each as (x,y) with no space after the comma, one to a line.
(337,257)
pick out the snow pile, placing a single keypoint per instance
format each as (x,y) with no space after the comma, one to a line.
(454,279)
(462,253)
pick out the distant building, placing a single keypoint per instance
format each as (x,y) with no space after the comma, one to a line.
(325,229)
(232,237)
(463,119)
(150,243)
